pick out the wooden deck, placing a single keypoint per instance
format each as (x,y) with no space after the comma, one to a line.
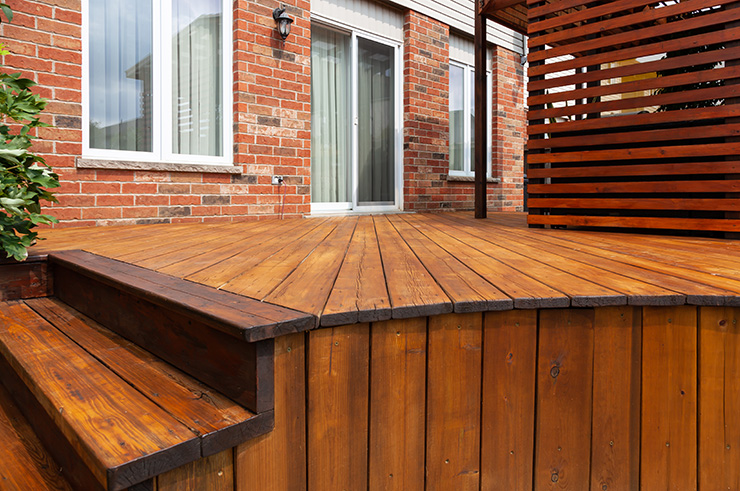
(443,352)
(373,268)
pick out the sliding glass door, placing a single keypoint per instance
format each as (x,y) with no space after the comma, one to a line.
(355,122)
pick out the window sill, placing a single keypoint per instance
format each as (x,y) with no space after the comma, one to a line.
(451,178)
(83,163)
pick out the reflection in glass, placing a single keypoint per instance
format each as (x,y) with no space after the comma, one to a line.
(196,77)
(471,127)
(330,116)
(121,74)
(376,123)
(457,123)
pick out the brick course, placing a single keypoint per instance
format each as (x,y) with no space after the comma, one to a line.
(272,118)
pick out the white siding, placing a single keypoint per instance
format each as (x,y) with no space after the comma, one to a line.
(373,16)
(365,15)
(462,50)
(459,14)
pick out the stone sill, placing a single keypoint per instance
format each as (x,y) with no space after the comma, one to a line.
(83,163)
(490,180)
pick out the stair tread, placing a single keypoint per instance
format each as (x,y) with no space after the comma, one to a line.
(242,317)
(128,414)
(24,463)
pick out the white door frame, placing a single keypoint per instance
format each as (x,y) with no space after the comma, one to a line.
(397,46)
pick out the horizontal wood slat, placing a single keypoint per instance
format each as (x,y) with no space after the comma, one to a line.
(603,56)
(648,33)
(629,70)
(637,203)
(660,223)
(615,122)
(638,85)
(639,187)
(649,100)
(711,131)
(646,15)
(633,119)
(723,149)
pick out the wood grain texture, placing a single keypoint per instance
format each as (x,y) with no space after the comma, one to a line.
(615,435)
(454,401)
(29,279)
(359,293)
(24,463)
(397,404)
(219,422)
(564,399)
(122,437)
(338,397)
(526,291)
(73,468)
(241,317)
(412,289)
(669,399)
(508,405)
(468,291)
(191,346)
(214,473)
(300,289)
(277,460)
(719,398)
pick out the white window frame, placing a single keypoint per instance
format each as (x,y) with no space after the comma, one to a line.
(397,46)
(468,130)
(162,127)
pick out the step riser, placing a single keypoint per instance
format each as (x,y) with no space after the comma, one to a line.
(197,349)
(29,279)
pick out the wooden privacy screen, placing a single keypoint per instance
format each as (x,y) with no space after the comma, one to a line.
(634,114)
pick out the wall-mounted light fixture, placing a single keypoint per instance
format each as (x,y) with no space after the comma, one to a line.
(282,20)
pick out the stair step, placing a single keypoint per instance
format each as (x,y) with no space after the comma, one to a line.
(205,332)
(24,463)
(127,414)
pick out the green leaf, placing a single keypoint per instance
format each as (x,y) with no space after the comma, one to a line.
(7,11)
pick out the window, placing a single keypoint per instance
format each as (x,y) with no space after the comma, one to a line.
(157,77)
(462,120)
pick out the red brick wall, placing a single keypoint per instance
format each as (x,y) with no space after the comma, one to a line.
(272,118)
(272,107)
(426,113)
(509,129)
(426,124)
(271,131)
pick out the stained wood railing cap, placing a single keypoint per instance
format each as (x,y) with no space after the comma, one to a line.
(241,317)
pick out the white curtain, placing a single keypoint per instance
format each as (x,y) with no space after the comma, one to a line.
(196,77)
(457,121)
(330,116)
(376,123)
(121,74)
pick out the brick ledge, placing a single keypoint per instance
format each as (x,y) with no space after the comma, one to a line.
(83,163)
(490,180)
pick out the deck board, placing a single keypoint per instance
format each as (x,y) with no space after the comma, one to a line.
(371,268)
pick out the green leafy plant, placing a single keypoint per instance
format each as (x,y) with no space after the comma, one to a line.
(24,176)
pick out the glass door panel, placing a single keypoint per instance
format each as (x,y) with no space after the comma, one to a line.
(331,144)
(376,123)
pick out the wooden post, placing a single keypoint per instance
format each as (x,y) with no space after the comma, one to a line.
(481,128)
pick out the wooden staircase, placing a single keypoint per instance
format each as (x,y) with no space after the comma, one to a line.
(123,374)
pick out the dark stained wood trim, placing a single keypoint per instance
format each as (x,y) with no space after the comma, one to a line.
(481,125)
(190,345)
(27,279)
(235,315)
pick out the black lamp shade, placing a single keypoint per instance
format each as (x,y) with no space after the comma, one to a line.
(283,21)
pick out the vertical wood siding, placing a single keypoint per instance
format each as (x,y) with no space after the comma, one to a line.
(613,398)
